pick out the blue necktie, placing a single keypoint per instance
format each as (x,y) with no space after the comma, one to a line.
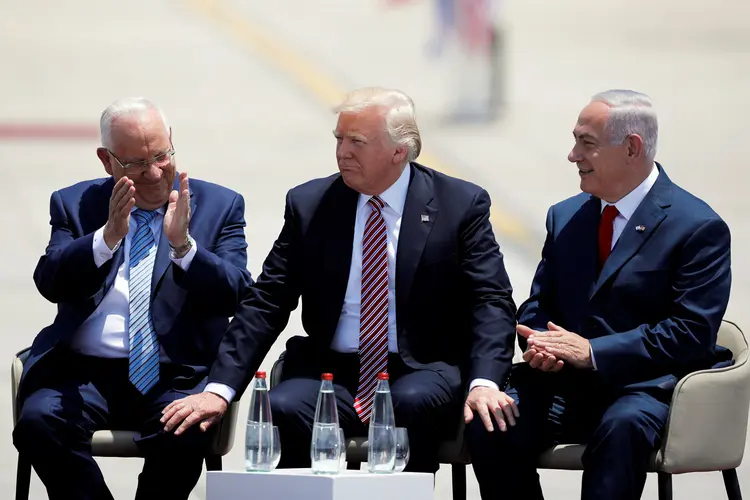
(144,348)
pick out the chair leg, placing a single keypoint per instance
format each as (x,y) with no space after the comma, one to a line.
(458,481)
(353,465)
(23,478)
(665,485)
(213,462)
(732,484)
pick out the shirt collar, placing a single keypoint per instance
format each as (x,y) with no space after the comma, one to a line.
(159,210)
(628,203)
(395,195)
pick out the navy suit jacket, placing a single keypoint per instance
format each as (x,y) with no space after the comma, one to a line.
(653,313)
(455,312)
(190,310)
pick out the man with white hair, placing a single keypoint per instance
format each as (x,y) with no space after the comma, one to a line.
(628,297)
(146,268)
(398,270)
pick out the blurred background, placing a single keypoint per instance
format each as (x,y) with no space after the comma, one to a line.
(247,86)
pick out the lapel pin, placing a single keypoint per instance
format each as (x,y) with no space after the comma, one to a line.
(425,218)
(640,229)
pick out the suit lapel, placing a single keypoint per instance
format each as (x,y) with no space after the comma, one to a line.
(162,253)
(333,224)
(417,220)
(645,220)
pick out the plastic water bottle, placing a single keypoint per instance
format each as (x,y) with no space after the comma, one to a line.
(381,439)
(325,447)
(259,432)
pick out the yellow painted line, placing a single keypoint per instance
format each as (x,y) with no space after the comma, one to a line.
(253,38)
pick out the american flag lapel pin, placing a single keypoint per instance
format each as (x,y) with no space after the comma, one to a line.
(640,229)
(425,218)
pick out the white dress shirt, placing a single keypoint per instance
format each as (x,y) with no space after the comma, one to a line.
(626,207)
(346,338)
(105,333)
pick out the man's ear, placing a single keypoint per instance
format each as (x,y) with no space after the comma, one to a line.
(634,143)
(399,157)
(103,155)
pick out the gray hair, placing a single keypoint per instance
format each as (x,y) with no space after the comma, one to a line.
(122,107)
(631,112)
(400,115)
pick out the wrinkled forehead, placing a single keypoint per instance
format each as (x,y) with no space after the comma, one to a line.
(368,122)
(138,130)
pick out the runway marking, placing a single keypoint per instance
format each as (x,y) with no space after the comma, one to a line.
(47,131)
(255,39)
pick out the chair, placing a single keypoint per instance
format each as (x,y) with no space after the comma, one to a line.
(716,401)
(451,452)
(117,443)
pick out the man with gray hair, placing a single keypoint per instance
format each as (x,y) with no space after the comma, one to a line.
(146,268)
(628,297)
(398,270)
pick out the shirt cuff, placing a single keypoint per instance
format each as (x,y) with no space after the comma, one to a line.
(184,262)
(102,253)
(593,359)
(483,382)
(222,390)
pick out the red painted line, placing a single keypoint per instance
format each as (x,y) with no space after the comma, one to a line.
(34,131)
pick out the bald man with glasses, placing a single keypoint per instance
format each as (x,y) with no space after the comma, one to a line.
(146,267)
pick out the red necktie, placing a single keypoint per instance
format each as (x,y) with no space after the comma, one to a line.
(373,314)
(605,233)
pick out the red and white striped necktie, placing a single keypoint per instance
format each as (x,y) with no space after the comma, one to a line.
(373,315)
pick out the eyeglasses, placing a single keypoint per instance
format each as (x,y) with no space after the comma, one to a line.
(160,160)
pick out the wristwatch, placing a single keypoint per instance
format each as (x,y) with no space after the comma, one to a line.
(182,250)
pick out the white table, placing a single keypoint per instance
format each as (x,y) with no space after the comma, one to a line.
(293,484)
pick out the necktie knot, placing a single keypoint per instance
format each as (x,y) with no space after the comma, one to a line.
(606,230)
(376,203)
(144,216)
(610,213)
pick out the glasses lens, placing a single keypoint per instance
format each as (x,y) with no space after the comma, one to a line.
(162,160)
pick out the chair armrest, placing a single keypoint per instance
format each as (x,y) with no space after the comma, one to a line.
(16,370)
(707,423)
(276,371)
(224,434)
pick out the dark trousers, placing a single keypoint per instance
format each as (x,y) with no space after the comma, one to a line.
(85,394)
(621,430)
(423,402)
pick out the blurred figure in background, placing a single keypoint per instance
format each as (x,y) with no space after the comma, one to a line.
(146,267)
(474,66)
(444,26)
(476,62)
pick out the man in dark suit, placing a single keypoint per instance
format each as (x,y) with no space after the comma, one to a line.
(627,299)
(146,270)
(398,270)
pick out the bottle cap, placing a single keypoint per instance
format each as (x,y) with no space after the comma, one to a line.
(260,374)
(382,376)
(326,376)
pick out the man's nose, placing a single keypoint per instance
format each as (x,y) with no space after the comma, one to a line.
(573,156)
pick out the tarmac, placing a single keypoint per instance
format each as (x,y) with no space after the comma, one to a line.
(247,88)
